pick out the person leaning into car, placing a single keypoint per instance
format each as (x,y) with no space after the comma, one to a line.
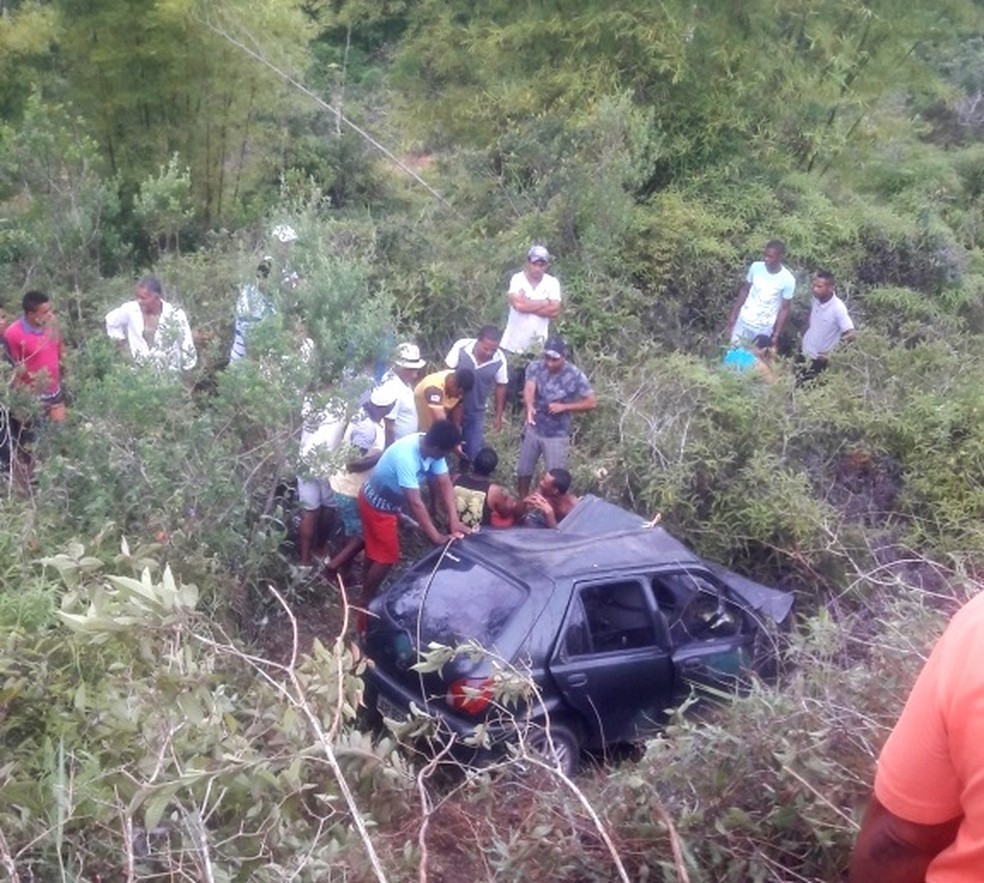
(395,484)
(925,820)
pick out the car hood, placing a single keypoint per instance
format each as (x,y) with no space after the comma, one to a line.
(775,604)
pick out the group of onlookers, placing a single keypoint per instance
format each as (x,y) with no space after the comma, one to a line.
(524,364)
(924,819)
(761,309)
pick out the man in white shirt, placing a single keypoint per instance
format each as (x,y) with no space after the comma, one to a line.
(763,301)
(154,331)
(829,325)
(399,383)
(484,356)
(534,299)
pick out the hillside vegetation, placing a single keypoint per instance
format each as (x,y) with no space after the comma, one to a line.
(418,150)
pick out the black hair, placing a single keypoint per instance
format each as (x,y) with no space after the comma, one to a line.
(489,332)
(562,479)
(762,341)
(151,284)
(34,299)
(465,378)
(777,244)
(442,436)
(826,275)
(485,461)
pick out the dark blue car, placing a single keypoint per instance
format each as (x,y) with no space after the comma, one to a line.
(612,620)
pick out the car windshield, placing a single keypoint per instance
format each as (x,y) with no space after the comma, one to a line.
(462,601)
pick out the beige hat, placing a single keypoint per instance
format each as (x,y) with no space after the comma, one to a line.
(408,356)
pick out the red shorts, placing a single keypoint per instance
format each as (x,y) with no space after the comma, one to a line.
(381,534)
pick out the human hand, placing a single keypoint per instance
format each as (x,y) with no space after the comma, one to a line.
(531,416)
(538,501)
(556,408)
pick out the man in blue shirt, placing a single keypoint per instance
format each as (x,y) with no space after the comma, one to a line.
(395,485)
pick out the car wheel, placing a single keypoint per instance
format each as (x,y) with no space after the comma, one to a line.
(562,749)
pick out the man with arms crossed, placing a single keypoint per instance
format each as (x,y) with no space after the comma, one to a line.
(534,299)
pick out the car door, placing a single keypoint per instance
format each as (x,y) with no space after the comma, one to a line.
(612,660)
(709,632)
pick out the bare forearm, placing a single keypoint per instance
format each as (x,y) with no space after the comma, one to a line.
(893,850)
(420,514)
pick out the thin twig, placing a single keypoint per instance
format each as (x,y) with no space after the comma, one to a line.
(362,133)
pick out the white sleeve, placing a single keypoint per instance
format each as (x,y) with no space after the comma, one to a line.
(189,355)
(454,354)
(117,322)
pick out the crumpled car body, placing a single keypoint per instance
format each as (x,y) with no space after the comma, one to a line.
(610,620)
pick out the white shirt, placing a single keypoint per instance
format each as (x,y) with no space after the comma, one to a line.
(404,411)
(173,347)
(525,329)
(766,293)
(829,322)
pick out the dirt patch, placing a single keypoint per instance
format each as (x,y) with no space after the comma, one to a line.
(314,612)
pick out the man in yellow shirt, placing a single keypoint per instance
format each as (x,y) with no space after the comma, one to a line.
(440,396)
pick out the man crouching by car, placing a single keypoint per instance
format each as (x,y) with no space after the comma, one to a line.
(395,484)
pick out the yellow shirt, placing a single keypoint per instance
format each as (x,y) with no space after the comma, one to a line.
(431,391)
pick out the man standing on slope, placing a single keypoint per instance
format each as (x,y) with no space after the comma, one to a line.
(483,355)
(399,383)
(554,390)
(762,304)
(829,325)
(154,331)
(534,299)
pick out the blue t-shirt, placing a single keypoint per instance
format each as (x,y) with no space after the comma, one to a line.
(401,466)
(739,359)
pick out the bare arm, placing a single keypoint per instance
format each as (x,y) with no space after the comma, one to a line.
(389,427)
(529,393)
(363,464)
(500,405)
(445,490)
(418,511)
(893,850)
(538,501)
(549,309)
(585,404)
(739,302)
(780,321)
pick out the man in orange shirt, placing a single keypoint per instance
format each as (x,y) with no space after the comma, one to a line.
(925,820)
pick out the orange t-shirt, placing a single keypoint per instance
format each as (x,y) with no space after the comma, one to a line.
(931,769)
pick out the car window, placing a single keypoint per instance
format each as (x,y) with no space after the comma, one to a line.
(609,617)
(462,600)
(696,607)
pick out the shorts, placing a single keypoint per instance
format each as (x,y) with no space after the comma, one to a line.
(746,334)
(381,533)
(348,508)
(315,493)
(53,398)
(555,450)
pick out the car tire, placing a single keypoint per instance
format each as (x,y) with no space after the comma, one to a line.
(561,750)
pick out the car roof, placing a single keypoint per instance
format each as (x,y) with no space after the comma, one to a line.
(597,536)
